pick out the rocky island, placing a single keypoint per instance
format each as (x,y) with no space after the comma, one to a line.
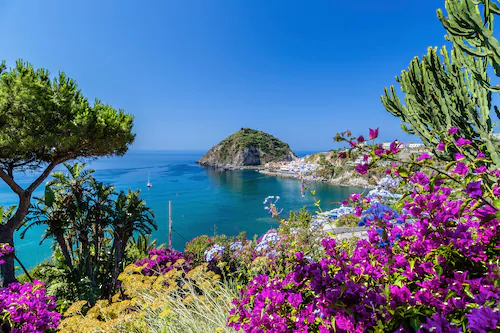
(247,148)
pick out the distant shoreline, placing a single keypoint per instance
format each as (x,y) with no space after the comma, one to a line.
(311,179)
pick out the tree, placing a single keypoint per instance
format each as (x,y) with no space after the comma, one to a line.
(45,122)
(131,216)
(451,89)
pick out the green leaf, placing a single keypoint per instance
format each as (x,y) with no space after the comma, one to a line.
(49,196)
(496,203)
(449,165)
(415,323)
(403,172)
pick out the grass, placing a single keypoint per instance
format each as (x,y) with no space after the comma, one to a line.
(199,308)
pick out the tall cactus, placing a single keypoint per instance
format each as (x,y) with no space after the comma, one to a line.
(448,90)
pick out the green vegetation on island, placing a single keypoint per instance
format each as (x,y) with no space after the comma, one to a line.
(247,147)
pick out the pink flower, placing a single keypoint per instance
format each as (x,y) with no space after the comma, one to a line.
(361,139)
(452,130)
(424,156)
(461,169)
(481,169)
(459,156)
(358,211)
(342,154)
(373,133)
(462,142)
(496,190)
(480,155)
(362,168)
(394,147)
(440,146)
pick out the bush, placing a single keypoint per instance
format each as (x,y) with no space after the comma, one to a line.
(432,268)
(26,308)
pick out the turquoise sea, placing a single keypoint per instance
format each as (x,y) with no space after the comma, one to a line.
(203,200)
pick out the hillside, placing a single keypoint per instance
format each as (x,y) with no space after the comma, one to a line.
(247,147)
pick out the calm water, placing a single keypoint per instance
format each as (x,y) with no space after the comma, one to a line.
(202,199)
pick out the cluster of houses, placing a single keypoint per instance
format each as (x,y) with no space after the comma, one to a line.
(293,168)
(299,167)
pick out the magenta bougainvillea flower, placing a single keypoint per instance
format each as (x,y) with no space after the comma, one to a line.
(26,308)
(373,133)
(362,168)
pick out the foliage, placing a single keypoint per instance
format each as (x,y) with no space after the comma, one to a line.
(177,301)
(160,261)
(272,149)
(45,122)
(25,308)
(452,90)
(92,225)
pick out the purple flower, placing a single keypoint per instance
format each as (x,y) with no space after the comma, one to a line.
(459,156)
(496,190)
(481,169)
(480,155)
(394,147)
(361,139)
(440,146)
(473,189)
(452,130)
(373,133)
(483,320)
(362,168)
(462,142)
(439,324)
(461,169)
(424,156)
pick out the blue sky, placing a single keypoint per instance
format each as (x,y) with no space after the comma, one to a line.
(193,72)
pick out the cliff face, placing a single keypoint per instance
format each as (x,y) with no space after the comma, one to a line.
(247,147)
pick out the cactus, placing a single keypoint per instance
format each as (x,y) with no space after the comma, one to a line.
(449,90)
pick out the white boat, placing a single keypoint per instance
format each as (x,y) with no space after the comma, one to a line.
(149,185)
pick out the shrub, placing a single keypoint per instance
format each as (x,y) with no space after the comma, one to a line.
(434,267)
(26,308)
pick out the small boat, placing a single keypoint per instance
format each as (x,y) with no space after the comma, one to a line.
(149,185)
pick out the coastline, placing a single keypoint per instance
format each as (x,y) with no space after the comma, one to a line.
(347,180)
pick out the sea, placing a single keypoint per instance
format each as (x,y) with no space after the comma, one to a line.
(204,201)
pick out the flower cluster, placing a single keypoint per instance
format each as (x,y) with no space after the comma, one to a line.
(214,252)
(430,266)
(25,308)
(5,249)
(161,261)
(267,241)
(272,209)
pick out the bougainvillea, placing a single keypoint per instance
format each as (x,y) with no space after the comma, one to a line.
(161,261)
(431,267)
(25,308)
(5,249)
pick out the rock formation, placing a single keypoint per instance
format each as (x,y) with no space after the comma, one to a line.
(247,147)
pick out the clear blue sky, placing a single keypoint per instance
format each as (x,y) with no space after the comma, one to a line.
(193,72)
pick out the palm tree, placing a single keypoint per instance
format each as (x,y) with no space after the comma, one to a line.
(73,191)
(53,215)
(101,208)
(131,216)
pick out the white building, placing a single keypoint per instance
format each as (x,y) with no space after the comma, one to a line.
(414,145)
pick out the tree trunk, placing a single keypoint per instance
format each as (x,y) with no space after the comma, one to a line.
(64,249)
(7,236)
(118,260)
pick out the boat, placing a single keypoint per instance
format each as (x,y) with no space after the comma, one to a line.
(149,185)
